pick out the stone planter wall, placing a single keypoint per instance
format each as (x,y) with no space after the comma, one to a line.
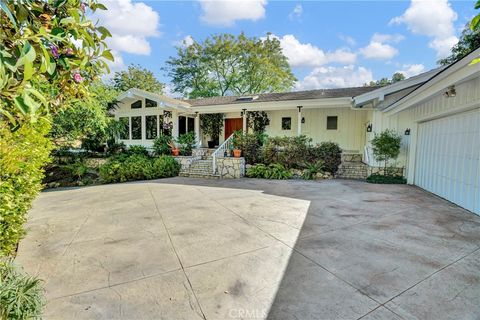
(186,161)
(380,170)
(230,168)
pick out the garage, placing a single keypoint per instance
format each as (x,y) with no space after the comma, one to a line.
(448,158)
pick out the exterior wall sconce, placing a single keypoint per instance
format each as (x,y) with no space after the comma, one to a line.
(303,119)
(369,127)
(407,132)
(451,92)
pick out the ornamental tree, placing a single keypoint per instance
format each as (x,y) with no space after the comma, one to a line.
(50,51)
(386,146)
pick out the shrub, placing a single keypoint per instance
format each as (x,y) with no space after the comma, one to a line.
(329,153)
(251,147)
(212,124)
(273,171)
(138,150)
(78,169)
(21,296)
(138,167)
(166,166)
(388,179)
(23,153)
(312,169)
(187,142)
(291,152)
(161,145)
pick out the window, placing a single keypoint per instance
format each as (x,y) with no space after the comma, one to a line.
(191,124)
(137,104)
(151,127)
(150,103)
(125,128)
(287,123)
(136,128)
(182,125)
(332,123)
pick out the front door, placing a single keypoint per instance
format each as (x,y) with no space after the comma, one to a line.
(232,125)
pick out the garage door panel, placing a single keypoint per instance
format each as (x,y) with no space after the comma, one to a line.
(448,158)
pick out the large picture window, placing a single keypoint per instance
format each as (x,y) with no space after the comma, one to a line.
(150,103)
(137,128)
(151,127)
(124,129)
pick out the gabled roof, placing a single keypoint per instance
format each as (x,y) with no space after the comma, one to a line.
(134,92)
(283,96)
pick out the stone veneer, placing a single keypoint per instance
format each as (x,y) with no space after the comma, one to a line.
(186,161)
(230,168)
(380,170)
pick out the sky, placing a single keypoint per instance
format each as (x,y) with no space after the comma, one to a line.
(329,44)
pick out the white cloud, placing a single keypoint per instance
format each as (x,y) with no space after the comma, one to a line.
(434,19)
(388,38)
(335,77)
(307,55)
(296,12)
(378,50)
(185,42)
(224,13)
(410,70)
(349,40)
(131,24)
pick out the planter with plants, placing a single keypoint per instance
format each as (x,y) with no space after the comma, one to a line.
(187,143)
(237,144)
(211,125)
(174,148)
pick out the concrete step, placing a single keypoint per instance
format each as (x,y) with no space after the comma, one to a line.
(199,175)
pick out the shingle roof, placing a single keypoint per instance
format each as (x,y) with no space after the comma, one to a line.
(284,96)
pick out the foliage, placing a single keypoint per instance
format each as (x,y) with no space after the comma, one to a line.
(138,167)
(161,145)
(137,77)
(23,154)
(212,124)
(312,169)
(272,171)
(187,142)
(397,76)
(137,150)
(329,153)
(386,179)
(251,147)
(86,119)
(21,296)
(386,146)
(258,121)
(469,41)
(42,63)
(227,65)
(289,151)
(77,169)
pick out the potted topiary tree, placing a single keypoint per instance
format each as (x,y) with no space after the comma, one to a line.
(212,125)
(237,144)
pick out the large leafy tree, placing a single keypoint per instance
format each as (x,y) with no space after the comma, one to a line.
(137,77)
(228,65)
(397,76)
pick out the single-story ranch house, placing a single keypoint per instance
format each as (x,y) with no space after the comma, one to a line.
(437,113)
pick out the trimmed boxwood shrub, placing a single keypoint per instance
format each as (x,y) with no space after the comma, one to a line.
(389,179)
(138,167)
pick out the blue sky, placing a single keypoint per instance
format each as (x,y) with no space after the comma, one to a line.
(328,43)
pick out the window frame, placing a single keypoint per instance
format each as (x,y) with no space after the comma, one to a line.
(154,116)
(139,130)
(127,128)
(155,103)
(336,122)
(135,103)
(289,119)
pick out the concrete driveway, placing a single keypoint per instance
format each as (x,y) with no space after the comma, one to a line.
(216,249)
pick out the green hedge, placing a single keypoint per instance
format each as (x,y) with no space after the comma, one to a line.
(127,167)
(23,154)
(388,179)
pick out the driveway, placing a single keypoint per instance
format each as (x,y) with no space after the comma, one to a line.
(239,249)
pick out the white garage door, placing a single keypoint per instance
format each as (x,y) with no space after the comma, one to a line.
(448,158)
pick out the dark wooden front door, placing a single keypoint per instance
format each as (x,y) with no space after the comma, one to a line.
(232,125)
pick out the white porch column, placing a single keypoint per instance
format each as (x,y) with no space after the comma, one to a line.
(299,121)
(244,118)
(175,124)
(197,129)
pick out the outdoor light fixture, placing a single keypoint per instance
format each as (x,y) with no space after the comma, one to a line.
(451,92)
(303,119)
(369,127)
(407,132)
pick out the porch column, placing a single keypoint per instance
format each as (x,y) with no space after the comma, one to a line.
(175,124)
(299,121)
(244,124)
(197,129)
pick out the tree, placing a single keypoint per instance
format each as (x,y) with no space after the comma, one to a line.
(137,77)
(386,146)
(469,41)
(212,124)
(397,76)
(228,65)
(258,121)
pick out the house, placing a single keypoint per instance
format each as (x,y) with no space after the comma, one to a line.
(437,113)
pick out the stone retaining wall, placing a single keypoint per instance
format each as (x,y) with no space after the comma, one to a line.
(230,168)
(381,170)
(186,161)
